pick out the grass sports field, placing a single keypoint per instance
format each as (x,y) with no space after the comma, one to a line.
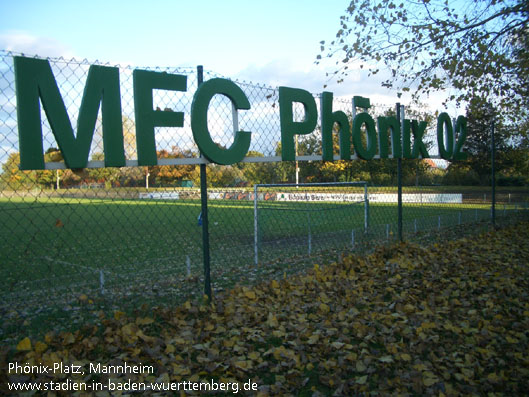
(53,236)
(116,251)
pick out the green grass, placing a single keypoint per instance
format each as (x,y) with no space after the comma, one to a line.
(54,250)
(53,237)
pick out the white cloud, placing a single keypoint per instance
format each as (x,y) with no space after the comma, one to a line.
(318,78)
(25,43)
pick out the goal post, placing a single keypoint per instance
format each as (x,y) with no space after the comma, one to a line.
(294,215)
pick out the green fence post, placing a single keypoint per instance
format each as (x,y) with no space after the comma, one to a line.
(399,182)
(310,234)
(493,175)
(255,225)
(204,207)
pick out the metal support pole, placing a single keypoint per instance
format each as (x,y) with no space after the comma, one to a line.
(255,225)
(204,206)
(366,209)
(493,176)
(399,178)
(310,234)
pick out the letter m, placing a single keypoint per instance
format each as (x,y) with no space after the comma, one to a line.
(35,81)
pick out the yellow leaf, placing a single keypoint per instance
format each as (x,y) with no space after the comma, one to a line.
(469,373)
(360,367)
(170,349)
(118,314)
(243,364)
(429,381)
(337,345)
(24,344)
(144,320)
(274,284)
(362,380)
(386,359)
(68,339)
(40,347)
(313,339)
(272,320)
(249,294)
(48,338)
(493,377)
(405,357)
(351,357)
(324,298)
(163,378)
(209,327)
(181,370)
(277,352)
(129,329)
(420,367)
(324,308)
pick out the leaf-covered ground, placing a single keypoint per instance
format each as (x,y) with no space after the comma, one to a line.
(450,319)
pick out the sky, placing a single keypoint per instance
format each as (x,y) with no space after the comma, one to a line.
(272,42)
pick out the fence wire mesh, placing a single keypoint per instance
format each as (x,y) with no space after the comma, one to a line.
(74,242)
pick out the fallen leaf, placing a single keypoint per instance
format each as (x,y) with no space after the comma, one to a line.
(24,344)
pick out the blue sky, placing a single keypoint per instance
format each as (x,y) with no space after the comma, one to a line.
(227,35)
(273,42)
(232,37)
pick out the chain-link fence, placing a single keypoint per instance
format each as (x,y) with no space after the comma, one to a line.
(74,242)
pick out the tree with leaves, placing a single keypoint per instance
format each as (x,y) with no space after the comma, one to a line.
(12,177)
(169,175)
(476,48)
(510,152)
(255,173)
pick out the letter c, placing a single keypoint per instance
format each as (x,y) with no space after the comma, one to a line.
(199,121)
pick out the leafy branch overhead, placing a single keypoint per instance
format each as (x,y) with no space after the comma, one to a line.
(477,47)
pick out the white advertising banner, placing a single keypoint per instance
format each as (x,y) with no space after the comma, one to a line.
(426,198)
(160,195)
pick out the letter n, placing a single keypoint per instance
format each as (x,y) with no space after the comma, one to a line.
(35,81)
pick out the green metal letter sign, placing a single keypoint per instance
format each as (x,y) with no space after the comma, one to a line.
(328,119)
(419,148)
(368,152)
(147,118)
(199,121)
(461,131)
(391,123)
(289,127)
(445,130)
(34,80)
